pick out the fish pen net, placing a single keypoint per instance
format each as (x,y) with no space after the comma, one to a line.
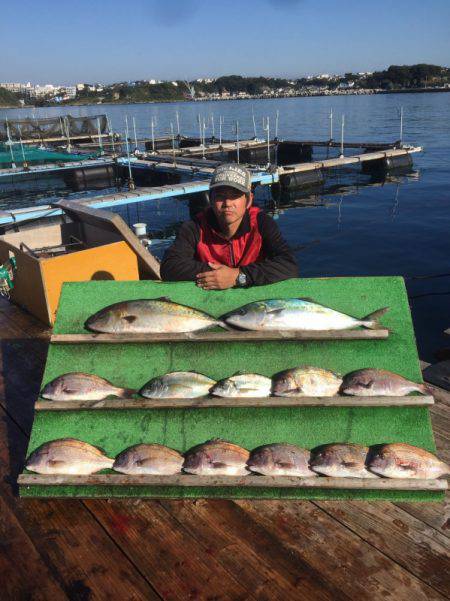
(54,127)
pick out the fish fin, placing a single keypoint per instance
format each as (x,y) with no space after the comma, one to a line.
(406,467)
(144,462)
(284,464)
(274,310)
(165,299)
(308,299)
(368,385)
(129,318)
(350,463)
(219,464)
(70,391)
(371,321)
(55,463)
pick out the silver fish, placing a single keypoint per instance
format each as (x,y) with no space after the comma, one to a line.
(178,384)
(159,315)
(401,460)
(68,456)
(378,382)
(341,461)
(82,387)
(280,459)
(243,385)
(216,457)
(296,314)
(153,459)
(306,381)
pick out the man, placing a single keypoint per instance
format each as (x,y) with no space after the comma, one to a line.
(231,243)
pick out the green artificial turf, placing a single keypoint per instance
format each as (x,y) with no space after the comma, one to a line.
(131,365)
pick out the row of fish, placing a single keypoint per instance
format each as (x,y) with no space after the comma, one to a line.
(161,315)
(299,381)
(220,457)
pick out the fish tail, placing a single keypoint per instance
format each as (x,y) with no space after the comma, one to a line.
(425,388)
(126,393)
(371,321)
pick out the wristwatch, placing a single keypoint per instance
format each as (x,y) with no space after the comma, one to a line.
(241,280)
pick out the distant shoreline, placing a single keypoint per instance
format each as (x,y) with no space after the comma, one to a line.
(257,97)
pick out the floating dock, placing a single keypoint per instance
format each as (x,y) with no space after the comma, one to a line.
(188,168)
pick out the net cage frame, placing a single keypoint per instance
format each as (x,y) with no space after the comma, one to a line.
(53,127)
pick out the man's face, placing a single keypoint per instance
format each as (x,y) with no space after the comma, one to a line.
(229,204)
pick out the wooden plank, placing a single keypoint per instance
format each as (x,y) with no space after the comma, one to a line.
(166,554)
(354,566)
(24,574)
(403,538)
(225,336)
(207,402)
(247,550)
(71,544)
(251,481)
(436,515)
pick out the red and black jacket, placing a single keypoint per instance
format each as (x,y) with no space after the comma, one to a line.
(257,248)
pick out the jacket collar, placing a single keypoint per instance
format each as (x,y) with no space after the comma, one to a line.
(244,226)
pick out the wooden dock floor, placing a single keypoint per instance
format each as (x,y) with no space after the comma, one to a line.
(204,549)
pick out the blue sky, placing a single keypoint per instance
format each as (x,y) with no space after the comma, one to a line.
(61,41)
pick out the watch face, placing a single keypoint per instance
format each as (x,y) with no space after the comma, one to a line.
(242,279)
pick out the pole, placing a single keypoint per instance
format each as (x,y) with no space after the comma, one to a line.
(342,135)
(135,136)
(111,135)
(13,164)
(24,161)
(173,141)
(331,124)
(212,126)
(237,141)
(199,128)
(254,123)
(401,125)
(67,134)
(276,124)
(266,127)
(220,129)
(152,125)
(178,123)
(100,144)
(130,180)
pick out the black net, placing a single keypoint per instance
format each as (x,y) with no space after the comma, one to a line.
(55,127)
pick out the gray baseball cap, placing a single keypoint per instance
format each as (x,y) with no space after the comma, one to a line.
(233,175)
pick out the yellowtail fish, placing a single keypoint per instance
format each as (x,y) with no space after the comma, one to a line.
(341,461)
(280,459)
(243,385)
(178,384)
(401,460)
(306,381)
(216,457)
(82,387)
(152,459)
(296,314)
(68,456)
(159,315)
(378,382)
